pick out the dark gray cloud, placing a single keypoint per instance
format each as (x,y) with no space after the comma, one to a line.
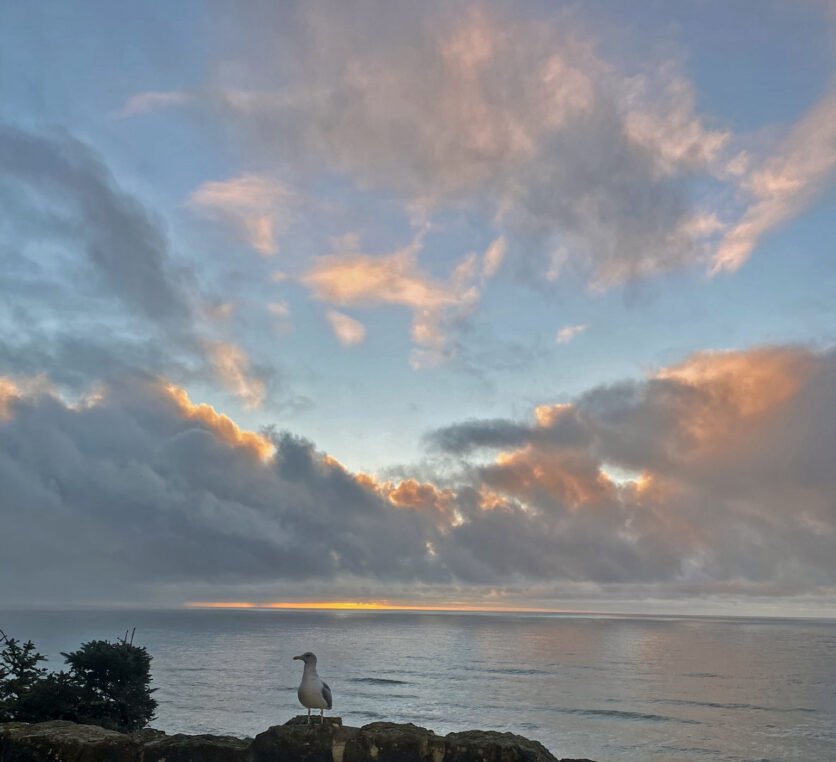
(499,433)
(69,191)
(91,290)
(125,495)
(465,437)
(74,362)
(714,477)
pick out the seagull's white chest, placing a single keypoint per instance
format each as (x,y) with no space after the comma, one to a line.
(310,692)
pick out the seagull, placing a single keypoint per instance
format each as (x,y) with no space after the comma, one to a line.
(313,692)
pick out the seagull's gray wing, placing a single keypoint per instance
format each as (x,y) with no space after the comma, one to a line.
(326,694)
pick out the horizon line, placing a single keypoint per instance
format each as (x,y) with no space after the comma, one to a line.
(467,608)
(383,605)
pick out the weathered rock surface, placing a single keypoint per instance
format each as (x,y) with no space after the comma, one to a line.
(182,748)
(295,741)
(299,741)
(64,741)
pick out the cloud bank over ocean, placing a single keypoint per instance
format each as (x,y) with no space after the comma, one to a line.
(710,477)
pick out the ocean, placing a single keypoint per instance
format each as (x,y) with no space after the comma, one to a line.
(605,687)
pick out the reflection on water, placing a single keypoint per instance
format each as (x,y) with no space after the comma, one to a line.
(606,688)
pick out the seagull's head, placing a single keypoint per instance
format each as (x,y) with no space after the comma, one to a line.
(307,657)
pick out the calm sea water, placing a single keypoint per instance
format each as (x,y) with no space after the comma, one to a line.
(607,688)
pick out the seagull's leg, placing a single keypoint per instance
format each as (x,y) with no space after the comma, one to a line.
(321,716)
(309,715)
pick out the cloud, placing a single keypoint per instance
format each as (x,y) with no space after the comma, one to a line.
(482,108)
(711,477)
(569,332)
(142,103)
(8,393)
(494,255)
(220,425)
(257,207)
(91,287)
(726,480)
(661,116)
(60,183)
(479,108)
(146,493)
(14,390)
(92,290)
(232,368)
(348,330)
(783,184)
(279,310)
(351,278)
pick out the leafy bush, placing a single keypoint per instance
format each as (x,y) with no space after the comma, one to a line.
(107,684)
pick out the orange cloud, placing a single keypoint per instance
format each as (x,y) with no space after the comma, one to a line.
(232,368)
(490,500)
(349,277)
(648,488)
(547,415)
(258,207)
(223,427)
(8,393)
(412,494)
(352,278)
(12,389)
(736,388)
(572,479)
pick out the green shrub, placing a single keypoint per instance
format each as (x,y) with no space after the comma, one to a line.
(107,684)
(19,673)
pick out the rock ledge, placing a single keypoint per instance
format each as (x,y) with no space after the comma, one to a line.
(295,741)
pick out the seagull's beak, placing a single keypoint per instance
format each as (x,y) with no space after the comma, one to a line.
(301,658)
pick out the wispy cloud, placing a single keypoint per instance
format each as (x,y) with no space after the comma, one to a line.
(529,121)
(569,332)
(348,277)
(347,330)
(259,208)
(494,256)
(488,109)
(279,309)
(232,367)
(784,184)
(660,114)
(142,103)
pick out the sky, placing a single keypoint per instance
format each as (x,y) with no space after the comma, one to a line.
(469,304)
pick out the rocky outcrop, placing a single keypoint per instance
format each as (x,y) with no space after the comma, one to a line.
(64,741)
(296,741)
